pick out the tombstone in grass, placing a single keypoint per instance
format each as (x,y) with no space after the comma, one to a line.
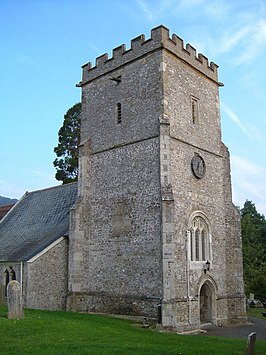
(251,296)
(251,343)
(14,300)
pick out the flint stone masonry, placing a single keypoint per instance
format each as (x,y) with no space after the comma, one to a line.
(130,244)
(14,300)
(46,279)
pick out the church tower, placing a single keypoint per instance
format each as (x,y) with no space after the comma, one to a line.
(154,231)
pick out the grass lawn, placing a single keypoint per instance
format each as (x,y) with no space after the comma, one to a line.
(43,332)
(256,312)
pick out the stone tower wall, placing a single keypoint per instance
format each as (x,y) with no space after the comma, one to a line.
(211,195)
(120,244)
(129,245)
(236,300)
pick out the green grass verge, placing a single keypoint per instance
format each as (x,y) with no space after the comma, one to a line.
(43,332)
(256,312)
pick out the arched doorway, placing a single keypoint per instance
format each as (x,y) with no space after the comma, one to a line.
(206,303)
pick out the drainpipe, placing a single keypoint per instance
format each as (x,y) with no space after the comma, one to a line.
(160,311)
(21,278)
(188,286)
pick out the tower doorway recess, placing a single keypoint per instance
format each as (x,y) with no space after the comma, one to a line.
(206,304)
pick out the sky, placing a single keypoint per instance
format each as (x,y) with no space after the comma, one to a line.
(44,43)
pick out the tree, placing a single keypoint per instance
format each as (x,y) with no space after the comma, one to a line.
(66,162)
(253,226)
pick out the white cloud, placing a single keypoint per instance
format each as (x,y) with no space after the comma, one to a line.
(257,133)
(254,133)
(145,9)
(95,48)
(260,32)
(249,182)
(233,116)
(243,38)
(243,41)
(231,40)
(253,189)
(254,42)
(218,9)
(246,167)
(189,3)
(155,10)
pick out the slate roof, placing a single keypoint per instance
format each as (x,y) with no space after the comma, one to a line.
(37,220)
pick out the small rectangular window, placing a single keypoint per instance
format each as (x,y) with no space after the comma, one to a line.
(195,110)
(118,113)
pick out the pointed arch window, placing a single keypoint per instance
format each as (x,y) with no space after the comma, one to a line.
(199,239)
(12,274)
(7,278)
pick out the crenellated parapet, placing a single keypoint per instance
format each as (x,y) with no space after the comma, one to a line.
(140,46)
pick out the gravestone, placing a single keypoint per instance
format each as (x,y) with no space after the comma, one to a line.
(251,343)
(14,300)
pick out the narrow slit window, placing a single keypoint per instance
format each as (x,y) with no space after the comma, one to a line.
(118,113)
(195,110)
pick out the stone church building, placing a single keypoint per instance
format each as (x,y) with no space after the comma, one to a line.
(153,230)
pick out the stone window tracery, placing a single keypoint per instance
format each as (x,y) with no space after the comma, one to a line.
(199,239)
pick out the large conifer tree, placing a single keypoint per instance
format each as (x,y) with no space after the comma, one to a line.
(66,163)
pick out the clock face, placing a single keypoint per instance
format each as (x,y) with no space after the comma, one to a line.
(198,166)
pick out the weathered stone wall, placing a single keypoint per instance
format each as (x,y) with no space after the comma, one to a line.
(211,195)
(46,279)
(129,231)
(183,83)
(140,81)
(236,300)
(122,236)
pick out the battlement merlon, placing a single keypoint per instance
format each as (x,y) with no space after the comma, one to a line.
(139,47)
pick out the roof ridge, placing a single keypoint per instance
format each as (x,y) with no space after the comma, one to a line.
(51,187)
